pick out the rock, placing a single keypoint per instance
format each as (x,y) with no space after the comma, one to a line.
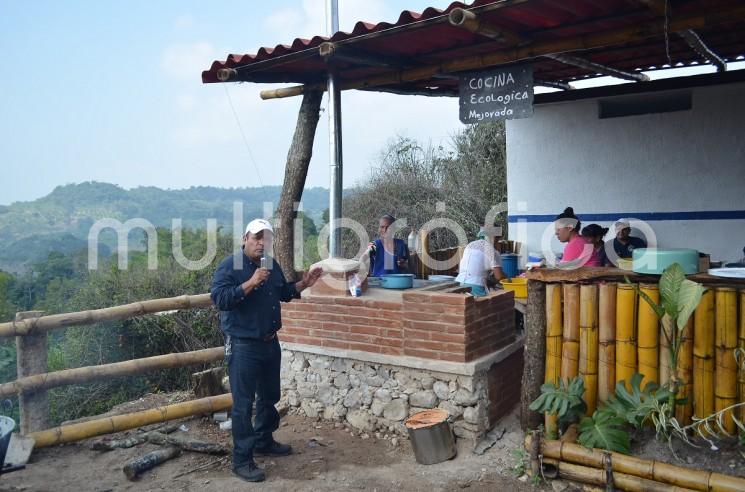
(383,395)
(361,420)
(339,411)
(441,390)
(395,410)
(473,415)
(465,430)
(342,381)
(226,384)
(354,380)
(465,398)
(293,399)
(466,382)
(309,408)
(325,394)
(377,407)
(320,363)
(424,399)
(353,399)
(559,485)
(453,386)
(299,364)
(306,390)
(376,381)
(402,378)
(428,382)
(394,442)
(208,383)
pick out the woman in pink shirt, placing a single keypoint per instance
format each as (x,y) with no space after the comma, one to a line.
(578,251)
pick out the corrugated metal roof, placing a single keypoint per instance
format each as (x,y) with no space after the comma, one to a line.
(427,38)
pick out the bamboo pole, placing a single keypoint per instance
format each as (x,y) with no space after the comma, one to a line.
(570,341)
(588,344)
(598,476)
(107,371)
(649,336)
(625,333)
(607,341)
(683,412)
(117,423)
(702,480)
(703,356)
(666,330)
(47,323)
(725,387)
(554,331)
(741,369)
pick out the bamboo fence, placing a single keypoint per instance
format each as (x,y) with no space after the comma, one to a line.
(608,333)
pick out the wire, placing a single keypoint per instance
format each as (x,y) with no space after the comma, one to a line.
(245,140)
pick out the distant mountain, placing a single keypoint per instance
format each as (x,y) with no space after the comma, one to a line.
(61,220)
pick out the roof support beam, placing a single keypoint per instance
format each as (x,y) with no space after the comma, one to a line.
(603,39)
(331,52)
(661,8)
(554,84)
(470,21)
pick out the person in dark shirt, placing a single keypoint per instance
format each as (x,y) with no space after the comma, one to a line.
(247,288)
(624,243)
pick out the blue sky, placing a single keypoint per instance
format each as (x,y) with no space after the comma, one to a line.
(111,91)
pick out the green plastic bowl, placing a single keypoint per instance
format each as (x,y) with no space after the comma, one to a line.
(654,260)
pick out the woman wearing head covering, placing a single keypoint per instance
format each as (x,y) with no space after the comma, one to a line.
(388,255)
(479,259)
(577,251)
(594,234)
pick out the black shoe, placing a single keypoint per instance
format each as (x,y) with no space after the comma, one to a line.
(274,449)
(250,472)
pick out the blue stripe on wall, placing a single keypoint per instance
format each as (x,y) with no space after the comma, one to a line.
(646,216)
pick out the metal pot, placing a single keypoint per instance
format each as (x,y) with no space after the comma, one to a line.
(7,425)
(431,436)
(397,281)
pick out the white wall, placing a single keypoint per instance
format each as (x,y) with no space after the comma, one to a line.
(685,161)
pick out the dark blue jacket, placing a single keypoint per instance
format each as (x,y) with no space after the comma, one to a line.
(254,315)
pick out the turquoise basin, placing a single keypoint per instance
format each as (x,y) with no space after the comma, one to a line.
(654,261)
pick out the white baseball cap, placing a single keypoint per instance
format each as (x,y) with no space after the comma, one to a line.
(258,225)
(622,224)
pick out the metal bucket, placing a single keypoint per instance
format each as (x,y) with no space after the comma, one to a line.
(7,425)
(431,436)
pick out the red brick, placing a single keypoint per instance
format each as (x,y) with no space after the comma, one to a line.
(388,342)
(284,337)
(387,305)
(456,329)
(296,331)
(391,350)
(435,346)
(338,327)
(393,333)
(327,342)
(319,300)
(308,340)
(431,325)
(417,297)
(448,337)
(456,299)
(425,354)
(349,301)
(366,330)
(452,357)
(412,334)
(365,347)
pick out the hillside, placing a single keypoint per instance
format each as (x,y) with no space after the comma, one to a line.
(61,220)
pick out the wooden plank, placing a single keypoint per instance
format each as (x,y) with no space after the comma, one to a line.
(535,354)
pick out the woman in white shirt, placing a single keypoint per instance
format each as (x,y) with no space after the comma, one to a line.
(479,258)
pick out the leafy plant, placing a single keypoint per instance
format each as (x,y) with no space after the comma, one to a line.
(522,459)
(604,430)
(565,401)
(636,406)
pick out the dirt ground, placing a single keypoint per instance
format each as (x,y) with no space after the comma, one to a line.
(327,456)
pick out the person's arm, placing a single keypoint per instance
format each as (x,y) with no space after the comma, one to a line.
(498,273)
(309,278)
(226,293)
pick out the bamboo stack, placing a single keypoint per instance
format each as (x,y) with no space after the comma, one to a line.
(683,412)
(703,356)
(666,327)
(607,341)
(649,336)
(588,343)
(554,331)
(626,300)
(725,388)
(570,342)
(741,344)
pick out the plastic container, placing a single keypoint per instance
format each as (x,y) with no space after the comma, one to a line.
(518,285)
(654,261)
(509,265)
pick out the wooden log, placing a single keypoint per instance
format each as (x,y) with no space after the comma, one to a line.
(54,321)
(136,467)
(31,361)
(209,382)
(570,339)
(725,343)
(107,371)
(607,342)
(187,443)
(588,344)
(117,423)
(296,170)
(535,355)
(107,444)
(703,356)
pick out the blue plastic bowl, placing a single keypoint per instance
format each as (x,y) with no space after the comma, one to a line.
(397,281)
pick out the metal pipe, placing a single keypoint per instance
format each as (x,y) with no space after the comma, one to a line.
(335,142)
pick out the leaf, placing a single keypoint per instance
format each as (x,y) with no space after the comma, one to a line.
(689,295)
(670,283)
(605,431)
(564,401)
(638,405)
(658,309)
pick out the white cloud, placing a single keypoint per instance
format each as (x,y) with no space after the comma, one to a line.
(185,61)
(184,22)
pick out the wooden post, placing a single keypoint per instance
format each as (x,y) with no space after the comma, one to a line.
(535,354)
(31,357)
(296,170)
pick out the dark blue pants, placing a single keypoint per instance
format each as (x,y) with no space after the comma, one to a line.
(253,367)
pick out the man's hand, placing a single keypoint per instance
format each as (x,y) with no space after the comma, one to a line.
(259,276)
(309,278)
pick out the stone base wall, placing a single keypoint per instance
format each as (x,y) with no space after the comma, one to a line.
(374,396)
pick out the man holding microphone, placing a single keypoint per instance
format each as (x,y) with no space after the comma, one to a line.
(247,289)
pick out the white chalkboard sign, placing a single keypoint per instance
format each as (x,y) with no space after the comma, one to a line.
(497,94)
